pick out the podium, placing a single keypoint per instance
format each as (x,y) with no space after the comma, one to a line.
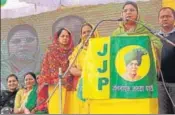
(70,103)
(119,77)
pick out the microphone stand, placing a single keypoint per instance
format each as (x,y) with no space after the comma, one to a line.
(79,50)
(60,88)
(161,74)
(154,33)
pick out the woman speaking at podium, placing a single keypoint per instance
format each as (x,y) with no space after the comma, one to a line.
(129,27)
(121,100)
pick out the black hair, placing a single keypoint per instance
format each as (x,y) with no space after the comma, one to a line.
(131,3)
(30,73)
(164,8)
(12,75)
(60,30)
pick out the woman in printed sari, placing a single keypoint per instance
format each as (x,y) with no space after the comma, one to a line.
(22,94)
(73,104)
(55,57)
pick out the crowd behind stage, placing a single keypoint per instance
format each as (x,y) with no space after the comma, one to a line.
(32,98)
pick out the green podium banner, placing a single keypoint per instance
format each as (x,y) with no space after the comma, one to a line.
(119,67)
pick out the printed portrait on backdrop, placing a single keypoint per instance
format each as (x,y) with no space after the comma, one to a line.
(72,23)
(23,51)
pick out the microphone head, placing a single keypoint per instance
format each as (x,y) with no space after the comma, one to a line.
(120,19)
(126,19)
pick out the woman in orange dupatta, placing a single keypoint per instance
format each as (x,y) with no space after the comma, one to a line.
(55,57)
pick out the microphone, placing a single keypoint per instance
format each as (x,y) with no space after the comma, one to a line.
(80,49)
(153,32)
(90,34)
(168,41)
(95,27)
(82,45)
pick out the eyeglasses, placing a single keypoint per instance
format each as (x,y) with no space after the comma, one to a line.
(26,39)
(131,10)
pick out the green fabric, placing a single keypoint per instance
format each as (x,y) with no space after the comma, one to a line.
(140,30)
(41,112)
(3,2)
(32,98)
(37,73)
(135,54)
(144,85)
(80,90)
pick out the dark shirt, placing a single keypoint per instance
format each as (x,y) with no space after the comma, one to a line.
(168,58)
(7,99)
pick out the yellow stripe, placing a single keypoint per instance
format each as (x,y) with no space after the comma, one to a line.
(168,3)
(90,73)
(124,106)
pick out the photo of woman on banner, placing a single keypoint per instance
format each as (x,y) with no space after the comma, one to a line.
(133,60)
(23,50)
